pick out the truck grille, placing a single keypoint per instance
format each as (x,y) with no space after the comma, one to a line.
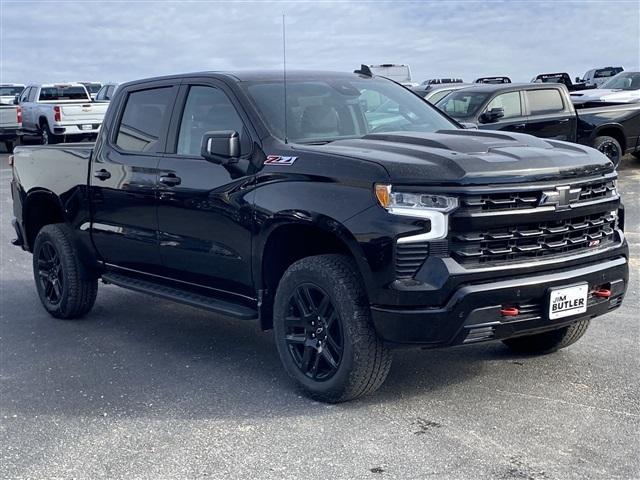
(499,201)
(533,240)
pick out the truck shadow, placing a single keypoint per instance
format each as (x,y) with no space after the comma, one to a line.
(136,356)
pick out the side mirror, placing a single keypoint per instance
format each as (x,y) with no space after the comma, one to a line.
(221,147)
(492,115)
(16,100)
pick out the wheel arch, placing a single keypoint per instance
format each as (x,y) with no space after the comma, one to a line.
(41,207)
(286,240)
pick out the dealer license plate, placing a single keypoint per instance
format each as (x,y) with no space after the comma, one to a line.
(567,301)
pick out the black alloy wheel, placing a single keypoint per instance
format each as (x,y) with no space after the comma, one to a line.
(50,273)
(313,332)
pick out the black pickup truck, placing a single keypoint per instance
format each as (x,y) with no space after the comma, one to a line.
(348,229)
(545,110)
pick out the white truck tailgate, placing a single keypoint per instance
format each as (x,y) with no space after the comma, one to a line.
(9,117)
(83,113)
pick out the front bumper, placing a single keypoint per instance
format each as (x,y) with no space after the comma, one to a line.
(472,314)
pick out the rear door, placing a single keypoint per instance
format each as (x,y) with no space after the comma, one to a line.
(204,209)
(549,115)
(124,176)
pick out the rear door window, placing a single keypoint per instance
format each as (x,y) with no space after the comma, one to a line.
(510,102)
(544,101)
(144,115)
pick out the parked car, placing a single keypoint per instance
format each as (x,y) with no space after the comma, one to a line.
(58,112)
(497,80)
(393,71)
(562,78)
(8,92)
(105,94)
(347,238)
(10,125)
(92,87)
(597,76)
(623,88)
(433,93)
(545,110)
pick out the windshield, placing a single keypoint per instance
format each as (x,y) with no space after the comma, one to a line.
(92,87)
(10,91)
(319,111)
(462,103)
(624,81)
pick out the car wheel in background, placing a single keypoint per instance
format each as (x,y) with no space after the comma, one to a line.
(65,287)
(610,147)
(46,136)
(548,342)
(323,330)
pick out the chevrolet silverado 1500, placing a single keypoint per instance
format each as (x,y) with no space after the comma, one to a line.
(347,233)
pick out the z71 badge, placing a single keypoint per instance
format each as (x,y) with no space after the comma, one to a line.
(278,160)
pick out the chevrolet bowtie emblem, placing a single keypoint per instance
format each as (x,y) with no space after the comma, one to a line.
(561,197)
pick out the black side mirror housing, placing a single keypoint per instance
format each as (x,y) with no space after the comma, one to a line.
(221,147)
(16,100)
(492,115)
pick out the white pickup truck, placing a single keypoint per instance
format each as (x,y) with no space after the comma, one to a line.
(10,125)
(58,112)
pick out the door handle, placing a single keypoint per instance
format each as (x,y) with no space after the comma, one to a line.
(102,174)
(170,180)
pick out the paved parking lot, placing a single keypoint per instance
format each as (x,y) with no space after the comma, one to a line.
(147,389)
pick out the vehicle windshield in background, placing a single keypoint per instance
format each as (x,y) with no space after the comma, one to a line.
(93,87)
(623,81)
(10,91)
(63,93)
(607,72)
(462,103)
(320,111)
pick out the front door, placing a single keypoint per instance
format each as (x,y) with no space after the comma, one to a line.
(124,176)
(513,119)
(205,210)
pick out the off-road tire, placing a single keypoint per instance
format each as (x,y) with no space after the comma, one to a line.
(365,361)
(548,342)
(79,287)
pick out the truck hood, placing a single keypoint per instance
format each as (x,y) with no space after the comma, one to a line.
(605,95)
(471,157)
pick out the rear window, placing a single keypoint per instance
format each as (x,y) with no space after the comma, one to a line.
(607,72)
(93,87)
(142,120)
(63,93)
(544,101)
(10,91)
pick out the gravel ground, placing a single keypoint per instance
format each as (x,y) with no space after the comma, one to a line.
(146,389)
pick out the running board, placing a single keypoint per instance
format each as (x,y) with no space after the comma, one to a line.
(221,307)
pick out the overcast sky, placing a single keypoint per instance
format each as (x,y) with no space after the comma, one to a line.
(119,41)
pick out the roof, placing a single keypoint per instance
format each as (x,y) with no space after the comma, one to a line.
(257,75)
(499,87)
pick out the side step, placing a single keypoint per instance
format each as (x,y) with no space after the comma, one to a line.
(221,307)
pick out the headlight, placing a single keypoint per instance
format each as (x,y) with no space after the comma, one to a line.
(432,207)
